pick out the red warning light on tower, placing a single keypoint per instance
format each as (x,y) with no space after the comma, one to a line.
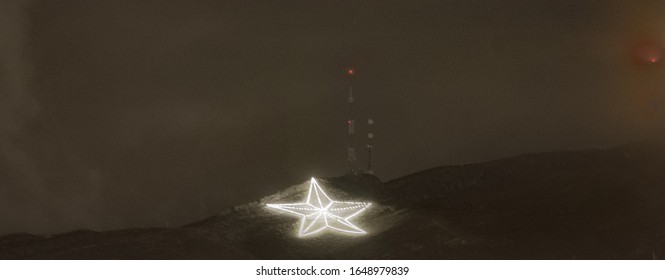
(350,71)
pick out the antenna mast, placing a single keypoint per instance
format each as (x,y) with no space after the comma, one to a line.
(351,151)
(370,145)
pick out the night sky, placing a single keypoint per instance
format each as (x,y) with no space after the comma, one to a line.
(118,114)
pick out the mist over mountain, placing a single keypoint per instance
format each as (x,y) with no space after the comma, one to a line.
(136,113)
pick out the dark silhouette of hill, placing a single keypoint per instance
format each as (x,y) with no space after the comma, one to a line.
(590,204)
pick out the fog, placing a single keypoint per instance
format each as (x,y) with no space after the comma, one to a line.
(120,114)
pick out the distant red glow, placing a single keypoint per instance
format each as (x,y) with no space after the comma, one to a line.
(648,53)
(350,71)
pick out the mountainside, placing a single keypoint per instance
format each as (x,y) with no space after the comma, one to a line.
(591,204)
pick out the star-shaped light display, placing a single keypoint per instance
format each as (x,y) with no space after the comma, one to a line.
(320,212)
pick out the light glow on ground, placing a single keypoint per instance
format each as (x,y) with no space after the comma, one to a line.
(320,212)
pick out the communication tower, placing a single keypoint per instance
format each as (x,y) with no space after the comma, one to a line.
(351,151)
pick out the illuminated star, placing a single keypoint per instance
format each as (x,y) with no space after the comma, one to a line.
(320,212)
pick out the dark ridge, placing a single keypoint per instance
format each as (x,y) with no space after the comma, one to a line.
(590,204)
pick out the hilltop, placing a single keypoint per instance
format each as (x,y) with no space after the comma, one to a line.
(589,204)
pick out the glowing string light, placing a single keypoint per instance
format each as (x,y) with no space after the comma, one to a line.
(320,212)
